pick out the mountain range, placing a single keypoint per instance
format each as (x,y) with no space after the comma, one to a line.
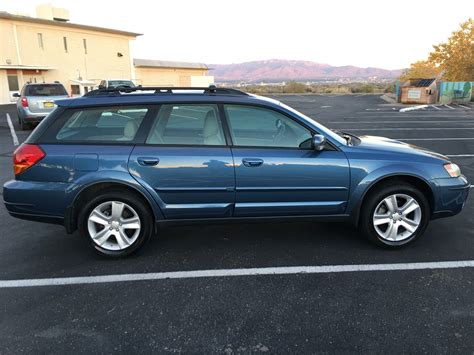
(299,70)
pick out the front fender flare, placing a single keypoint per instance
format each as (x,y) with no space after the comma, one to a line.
(358,194)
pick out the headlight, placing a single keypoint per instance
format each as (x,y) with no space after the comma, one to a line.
(452,169)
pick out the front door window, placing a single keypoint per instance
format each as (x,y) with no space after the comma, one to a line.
(260,127)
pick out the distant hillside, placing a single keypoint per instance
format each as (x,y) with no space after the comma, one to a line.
(284,70)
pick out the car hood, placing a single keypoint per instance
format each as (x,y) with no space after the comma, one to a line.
(394,146)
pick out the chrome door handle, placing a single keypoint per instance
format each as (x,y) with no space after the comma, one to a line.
(146,161)
(252,162)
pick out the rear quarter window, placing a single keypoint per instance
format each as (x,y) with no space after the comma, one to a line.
(97,125)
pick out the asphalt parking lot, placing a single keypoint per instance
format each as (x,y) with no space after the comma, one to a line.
(381,311)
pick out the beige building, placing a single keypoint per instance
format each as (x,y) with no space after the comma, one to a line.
(53,49)
(167,73)
(49,48)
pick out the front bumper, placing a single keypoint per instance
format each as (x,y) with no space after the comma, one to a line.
(451,195)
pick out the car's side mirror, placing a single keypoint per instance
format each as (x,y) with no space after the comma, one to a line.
(16,95)
(319,142)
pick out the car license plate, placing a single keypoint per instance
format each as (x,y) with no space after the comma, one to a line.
(48,104)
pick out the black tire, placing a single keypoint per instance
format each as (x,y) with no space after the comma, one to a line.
(366,224)
(24,125)
(134,201)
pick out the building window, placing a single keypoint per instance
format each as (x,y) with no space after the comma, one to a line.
(65,44)
(40,40)
(75,90)
(84,42)
(13,82)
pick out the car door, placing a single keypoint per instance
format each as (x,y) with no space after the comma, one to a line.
(277,171)
(186,160)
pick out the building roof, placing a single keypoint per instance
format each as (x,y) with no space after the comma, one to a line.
(26,67)
(8,16)
(421,82)
(150,63)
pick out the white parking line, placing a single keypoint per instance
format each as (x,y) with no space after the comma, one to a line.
(292,270)
(452,108)
(464,106)
(413,114)
(433,139)
(436,107)
(12,130)
(404,122)
(406,128)
(444,111)
(408,117)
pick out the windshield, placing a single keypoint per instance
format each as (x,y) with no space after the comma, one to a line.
(322,129)
(45,90)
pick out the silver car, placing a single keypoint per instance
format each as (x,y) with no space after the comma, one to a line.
(36,101)
(116,83)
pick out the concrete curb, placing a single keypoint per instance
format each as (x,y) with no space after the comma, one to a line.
(389,99)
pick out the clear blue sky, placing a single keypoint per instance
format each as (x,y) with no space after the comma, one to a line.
(386,34)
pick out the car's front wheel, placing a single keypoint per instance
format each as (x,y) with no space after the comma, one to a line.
(116,224)
(393,216)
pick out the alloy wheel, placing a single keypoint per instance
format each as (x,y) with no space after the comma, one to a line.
(114,225)
(397,217)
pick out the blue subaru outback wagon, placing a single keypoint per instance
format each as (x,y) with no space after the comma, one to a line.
(117,163)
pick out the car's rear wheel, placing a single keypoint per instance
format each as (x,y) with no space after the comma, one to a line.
(24,125)
(116,224)
(393,216)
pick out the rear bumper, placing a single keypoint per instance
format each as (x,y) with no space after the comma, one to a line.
(451,195)
(38,218)
(36,201)
(28,116)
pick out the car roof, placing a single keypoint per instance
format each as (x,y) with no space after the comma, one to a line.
(159,98)
(37,84)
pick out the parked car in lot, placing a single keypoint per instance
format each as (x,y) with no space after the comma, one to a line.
(116,83)
(36,101)
(116,165)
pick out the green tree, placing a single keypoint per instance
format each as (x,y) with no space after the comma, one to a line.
(455,58)
(420,69)
(452,60)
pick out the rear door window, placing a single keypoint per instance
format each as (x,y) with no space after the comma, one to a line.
(109,125)
(187,124)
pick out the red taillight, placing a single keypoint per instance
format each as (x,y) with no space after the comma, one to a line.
(25,156)
(24,102)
